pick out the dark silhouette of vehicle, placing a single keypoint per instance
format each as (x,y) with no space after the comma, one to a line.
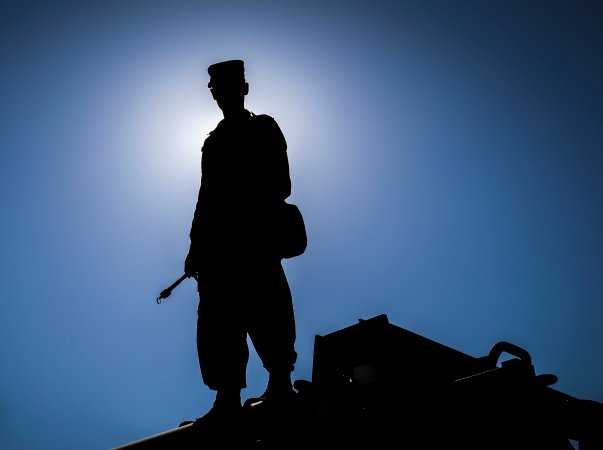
(378,386)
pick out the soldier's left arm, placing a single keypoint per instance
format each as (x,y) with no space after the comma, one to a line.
(278,173)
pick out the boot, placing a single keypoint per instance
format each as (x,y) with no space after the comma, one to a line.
(279,391)
(279,387)
(226,410)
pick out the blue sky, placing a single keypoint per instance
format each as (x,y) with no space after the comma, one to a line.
(447,157)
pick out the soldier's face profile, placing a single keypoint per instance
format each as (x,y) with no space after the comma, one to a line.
(229,96)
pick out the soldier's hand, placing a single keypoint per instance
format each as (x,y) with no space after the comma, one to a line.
(191,266)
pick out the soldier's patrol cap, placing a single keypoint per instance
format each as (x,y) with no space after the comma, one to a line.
(226,72)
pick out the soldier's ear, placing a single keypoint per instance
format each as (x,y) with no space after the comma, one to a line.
(246,89)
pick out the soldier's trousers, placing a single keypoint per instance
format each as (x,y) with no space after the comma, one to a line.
(236,300)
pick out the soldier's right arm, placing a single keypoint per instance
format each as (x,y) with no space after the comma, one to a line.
(190,263)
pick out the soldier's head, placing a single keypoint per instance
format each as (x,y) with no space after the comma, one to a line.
(227,84)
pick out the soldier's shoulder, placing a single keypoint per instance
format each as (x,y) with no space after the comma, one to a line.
(263,118)
(217,129)
(211,137)
(266,121)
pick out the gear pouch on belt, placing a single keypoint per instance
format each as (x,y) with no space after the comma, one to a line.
(291,231)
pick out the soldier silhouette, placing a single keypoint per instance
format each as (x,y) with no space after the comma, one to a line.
(242,287)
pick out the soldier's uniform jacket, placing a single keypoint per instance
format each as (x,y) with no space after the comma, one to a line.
(245,176)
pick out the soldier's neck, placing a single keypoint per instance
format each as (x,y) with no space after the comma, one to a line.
(234,113)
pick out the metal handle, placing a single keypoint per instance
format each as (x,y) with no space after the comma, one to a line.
(501,347)
(168,291)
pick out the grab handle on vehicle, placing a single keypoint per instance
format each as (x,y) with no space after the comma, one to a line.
(506,347)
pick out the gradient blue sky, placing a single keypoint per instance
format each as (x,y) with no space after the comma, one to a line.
(447,156)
